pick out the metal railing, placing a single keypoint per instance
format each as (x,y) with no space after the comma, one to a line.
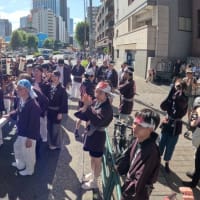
(3,121)
(110,178)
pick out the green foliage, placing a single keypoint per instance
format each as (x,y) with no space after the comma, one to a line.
(56,52)
(36,54)
(106,50)
(24,37)
(16,40)
(32,42)
(48,43)
(82,33)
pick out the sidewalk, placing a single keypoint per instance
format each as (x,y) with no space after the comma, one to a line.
(152,95)
(66,183)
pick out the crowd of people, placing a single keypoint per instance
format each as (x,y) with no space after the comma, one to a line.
(37,99)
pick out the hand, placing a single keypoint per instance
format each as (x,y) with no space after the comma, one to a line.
(59,116)
(28,143)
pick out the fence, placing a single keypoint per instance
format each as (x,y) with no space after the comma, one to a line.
(110,178)
(3,121)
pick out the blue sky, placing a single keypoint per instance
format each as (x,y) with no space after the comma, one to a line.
(14,9)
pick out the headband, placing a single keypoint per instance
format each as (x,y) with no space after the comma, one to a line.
(140,121)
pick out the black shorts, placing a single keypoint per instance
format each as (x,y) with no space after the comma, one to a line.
(94,153)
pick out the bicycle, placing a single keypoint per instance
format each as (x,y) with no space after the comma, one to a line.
(121,140)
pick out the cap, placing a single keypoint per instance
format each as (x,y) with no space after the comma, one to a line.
(61,61)
(105,87)
(189,70)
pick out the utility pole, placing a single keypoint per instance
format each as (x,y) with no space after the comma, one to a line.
(90,29)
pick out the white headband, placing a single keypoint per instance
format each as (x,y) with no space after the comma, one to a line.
(141,122)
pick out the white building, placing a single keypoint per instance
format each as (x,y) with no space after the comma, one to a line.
(61,29)
(44,21)
(151,28)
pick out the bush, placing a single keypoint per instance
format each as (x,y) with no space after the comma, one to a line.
(36,54)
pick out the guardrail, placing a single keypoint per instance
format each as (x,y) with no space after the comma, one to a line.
(3,121)
(110,179)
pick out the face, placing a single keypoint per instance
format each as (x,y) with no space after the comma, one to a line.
(189,75)
(141,132)
(100,95)
(55,79)
(178,85)
(29,70)
(37,73)
(21,91)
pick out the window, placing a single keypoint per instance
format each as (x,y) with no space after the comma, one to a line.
(185,24)
(130,2)
(117,53)
(198,23)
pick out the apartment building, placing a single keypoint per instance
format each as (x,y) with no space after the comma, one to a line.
(5,28)
(93,14)
(151,28)
(105,26)
(196,28)
(44,21)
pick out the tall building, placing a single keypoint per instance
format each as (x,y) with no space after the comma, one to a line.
(105,26)
(44,21)
(5,28)
(92,15)
(59,7)
(196,28)
(23,22)
(71,27)
(147,29)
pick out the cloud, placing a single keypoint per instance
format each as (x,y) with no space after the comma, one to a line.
(14,17)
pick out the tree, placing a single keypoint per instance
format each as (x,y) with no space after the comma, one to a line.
(48,43)
(32,42)
(16,40)
(82,34)
(24,37)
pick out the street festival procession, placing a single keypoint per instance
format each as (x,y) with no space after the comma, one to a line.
(109,111)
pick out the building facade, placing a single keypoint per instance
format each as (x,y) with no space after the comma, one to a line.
(44,21)
(24,22)
(105,26)
(59,8)
(196,28)
(92,13)
(71,27)
(151,28)
(5,28)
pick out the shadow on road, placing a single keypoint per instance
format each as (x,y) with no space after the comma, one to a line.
(174,182)
(13,186)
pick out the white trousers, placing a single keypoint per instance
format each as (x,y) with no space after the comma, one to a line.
(24,157)
(43,128)
(75,90)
